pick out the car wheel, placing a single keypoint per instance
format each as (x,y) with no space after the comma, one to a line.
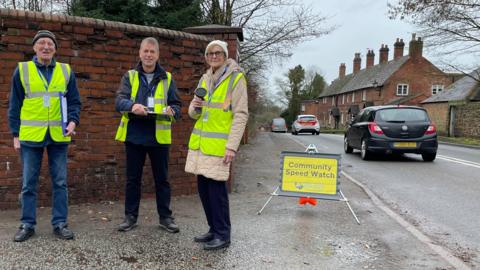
(313,133)
(346,147)
(364,152)
(318,132)
(429,156)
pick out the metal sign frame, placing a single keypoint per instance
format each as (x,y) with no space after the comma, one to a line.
(311,151)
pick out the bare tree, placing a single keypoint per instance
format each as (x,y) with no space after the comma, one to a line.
(450,26)
(50,6)
(272,28)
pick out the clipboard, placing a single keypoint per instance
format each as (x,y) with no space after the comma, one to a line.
(63,112)
(150,115)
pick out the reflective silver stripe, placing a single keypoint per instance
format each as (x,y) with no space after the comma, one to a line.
(165,90)
(39,123)
(26,78)
(41,94)
(55,123)
(216,105)
(230,83)
(159,101)
(65,73)
(213,135)
(122,124)
(163,127)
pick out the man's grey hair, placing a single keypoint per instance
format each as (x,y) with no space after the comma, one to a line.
(151,40)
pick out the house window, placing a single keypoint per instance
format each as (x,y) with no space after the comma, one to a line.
(333,101)
(341,121)
(364,95)
(353,97)
(348,98)
(343,99)
(402,89)
(437,88)
(303,107)
(324,100)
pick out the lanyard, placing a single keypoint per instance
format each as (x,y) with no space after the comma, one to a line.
(44,80)
(150,87)
(217,83)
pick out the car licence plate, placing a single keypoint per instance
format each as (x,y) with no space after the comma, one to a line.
(405,144)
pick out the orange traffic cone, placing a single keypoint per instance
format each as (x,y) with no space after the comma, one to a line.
(305,200)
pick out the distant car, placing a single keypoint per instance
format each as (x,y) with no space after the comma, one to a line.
(306,123)
(279,125)
(392,129)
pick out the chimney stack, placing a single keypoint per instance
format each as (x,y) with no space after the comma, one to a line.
(398,48)
(383,54)
(341,71)
(357,61)
(370,58)
(415,49)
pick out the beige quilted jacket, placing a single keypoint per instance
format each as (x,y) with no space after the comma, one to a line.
(213,166)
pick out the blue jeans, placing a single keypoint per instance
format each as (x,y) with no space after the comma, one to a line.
(57,163)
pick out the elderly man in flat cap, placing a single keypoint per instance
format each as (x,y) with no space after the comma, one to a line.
(43,114)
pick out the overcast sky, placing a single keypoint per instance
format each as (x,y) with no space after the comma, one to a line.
(361,25)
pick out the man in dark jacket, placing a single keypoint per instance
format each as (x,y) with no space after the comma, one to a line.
(40,89)
(149,103)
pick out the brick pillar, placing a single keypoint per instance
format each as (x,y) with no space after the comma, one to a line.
(398,48)
(370,58)
(357,62)
(383,54)
(416,47)
(341,71)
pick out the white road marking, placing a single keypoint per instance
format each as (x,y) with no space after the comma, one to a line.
(444,253)
(460,161)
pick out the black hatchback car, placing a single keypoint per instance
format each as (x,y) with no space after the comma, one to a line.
(392,129)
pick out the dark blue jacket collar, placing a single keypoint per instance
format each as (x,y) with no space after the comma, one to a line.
(159,71)
(51,65)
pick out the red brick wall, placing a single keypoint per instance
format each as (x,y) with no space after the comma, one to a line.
(100,52)
(420,75)
(438,113)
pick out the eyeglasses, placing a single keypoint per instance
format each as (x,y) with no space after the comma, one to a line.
(216,54)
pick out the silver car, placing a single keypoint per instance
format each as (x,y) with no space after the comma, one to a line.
(306,123)
(279,125)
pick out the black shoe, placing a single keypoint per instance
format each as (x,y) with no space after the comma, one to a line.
(203,238)
(63,232)
(23,234)
(168,225)
(216,244)
(128,223)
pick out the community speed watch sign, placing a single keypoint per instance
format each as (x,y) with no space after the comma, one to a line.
(310,173)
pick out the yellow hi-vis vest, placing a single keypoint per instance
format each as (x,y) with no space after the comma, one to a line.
(41,107)
(211,130)
(162,127)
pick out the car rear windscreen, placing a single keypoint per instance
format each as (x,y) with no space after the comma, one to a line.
(401,115)
(279,121)
(307,118)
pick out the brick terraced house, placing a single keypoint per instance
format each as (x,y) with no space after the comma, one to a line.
(405,79)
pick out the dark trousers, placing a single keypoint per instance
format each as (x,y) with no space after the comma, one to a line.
(214,197)
(136,155)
